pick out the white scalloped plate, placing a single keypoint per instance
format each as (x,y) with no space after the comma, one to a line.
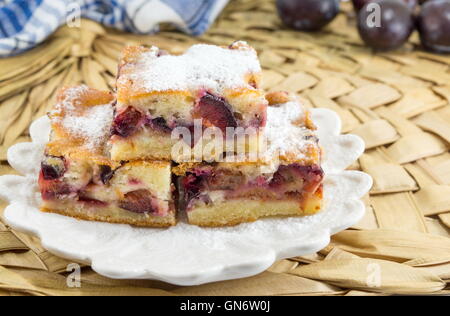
(186,254)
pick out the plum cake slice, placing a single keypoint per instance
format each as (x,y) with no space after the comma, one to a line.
(286,182)
(209,86)
(78,179)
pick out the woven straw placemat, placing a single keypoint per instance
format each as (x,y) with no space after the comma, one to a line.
(397,102)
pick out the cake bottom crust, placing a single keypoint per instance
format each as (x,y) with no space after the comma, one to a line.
(113,214)
(234,212)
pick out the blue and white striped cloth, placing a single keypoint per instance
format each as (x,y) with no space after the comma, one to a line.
(26,23)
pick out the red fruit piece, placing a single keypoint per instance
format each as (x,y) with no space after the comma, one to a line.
(139,201)
(192,186)
(106,173)
(277,180)
(126,123)
(297,177)
(160,124)
(52,189)
(313,176)
(53,167)
(215,111)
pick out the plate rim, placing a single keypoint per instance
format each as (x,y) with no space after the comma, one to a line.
(220,272)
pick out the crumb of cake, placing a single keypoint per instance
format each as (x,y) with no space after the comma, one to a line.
(241,45)
(278,97)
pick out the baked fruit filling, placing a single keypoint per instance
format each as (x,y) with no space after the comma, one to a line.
(207,185)
(65,181)
(213,111)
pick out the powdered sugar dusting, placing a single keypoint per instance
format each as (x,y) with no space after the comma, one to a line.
(68,104)
(92,124)
(284,135)
(202,66)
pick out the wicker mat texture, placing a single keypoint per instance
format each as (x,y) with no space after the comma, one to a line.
(397,102)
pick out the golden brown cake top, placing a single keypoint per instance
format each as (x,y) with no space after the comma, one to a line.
(81,122)
(213,68)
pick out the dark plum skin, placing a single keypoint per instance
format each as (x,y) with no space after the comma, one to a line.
(396,25)
(52,188)
(126,123)
(160,124)
(192,186)
(50,172)
(311,175)
(106,173)
(433,24)
(50,178)
(197,184)
(359,4)
(139,201)
(53,168)
(307,15)
(215,111)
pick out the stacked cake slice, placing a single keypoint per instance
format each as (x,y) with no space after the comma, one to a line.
(208,86)
(286,179)
(79,179)
(119,160)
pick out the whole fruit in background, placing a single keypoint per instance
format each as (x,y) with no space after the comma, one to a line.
(387,29)
(307,15)
(358,4)
(433,24)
